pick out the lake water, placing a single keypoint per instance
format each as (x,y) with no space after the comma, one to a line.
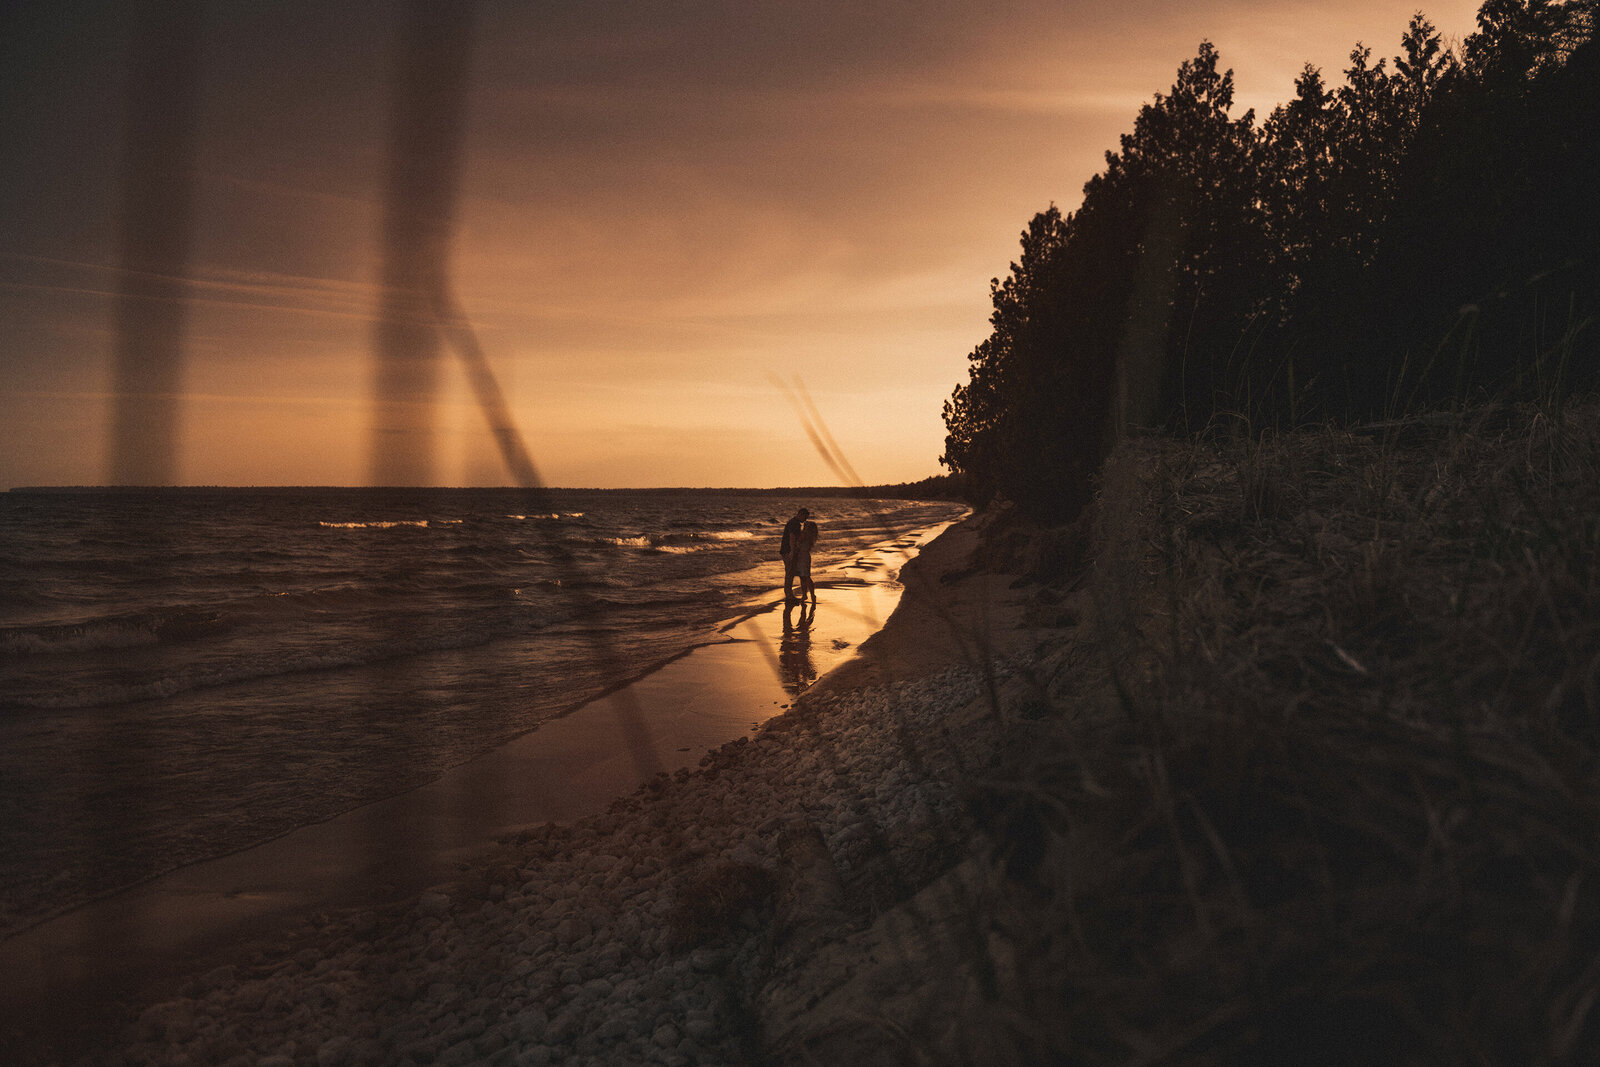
(184,673)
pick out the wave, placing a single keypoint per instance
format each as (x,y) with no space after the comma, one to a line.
(694,541)
(112,632)
(381,524)
(542,585)
(112,689)
(92,695)
(332,596)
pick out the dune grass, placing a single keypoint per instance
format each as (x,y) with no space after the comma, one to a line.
(1315,779)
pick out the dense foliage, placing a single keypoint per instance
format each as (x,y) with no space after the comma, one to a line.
(1425,232)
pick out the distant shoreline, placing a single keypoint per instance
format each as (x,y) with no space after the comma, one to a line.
(906,491)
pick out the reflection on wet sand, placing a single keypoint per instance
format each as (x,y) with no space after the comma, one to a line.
(796,669)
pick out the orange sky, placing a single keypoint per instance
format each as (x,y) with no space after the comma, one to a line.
(663,209)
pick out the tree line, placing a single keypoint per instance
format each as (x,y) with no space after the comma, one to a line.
(1423,233)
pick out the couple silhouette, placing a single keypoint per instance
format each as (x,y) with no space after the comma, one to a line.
(799,534)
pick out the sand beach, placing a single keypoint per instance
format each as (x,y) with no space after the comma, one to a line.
(604,889)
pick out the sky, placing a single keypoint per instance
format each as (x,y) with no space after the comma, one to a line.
(671,219)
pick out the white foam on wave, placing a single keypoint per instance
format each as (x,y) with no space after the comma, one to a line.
(653,545)
(376,525)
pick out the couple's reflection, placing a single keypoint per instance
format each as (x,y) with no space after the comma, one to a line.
(795,666)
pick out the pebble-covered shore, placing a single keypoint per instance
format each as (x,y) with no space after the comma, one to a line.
(640,936)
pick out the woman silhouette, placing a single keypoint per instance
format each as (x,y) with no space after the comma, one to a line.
(802,558)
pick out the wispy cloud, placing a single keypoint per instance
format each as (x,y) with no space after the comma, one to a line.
(220,286)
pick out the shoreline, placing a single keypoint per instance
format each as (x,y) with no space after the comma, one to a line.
(719,689)
(1179,751)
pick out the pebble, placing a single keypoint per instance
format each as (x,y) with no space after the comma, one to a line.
(706,959)
(568,954)
(333,1052)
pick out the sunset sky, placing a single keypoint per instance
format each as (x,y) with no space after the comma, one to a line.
(665,209)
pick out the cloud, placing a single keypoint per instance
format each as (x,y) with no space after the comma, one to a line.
(660,204)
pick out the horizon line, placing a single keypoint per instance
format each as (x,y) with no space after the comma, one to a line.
(457,488)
